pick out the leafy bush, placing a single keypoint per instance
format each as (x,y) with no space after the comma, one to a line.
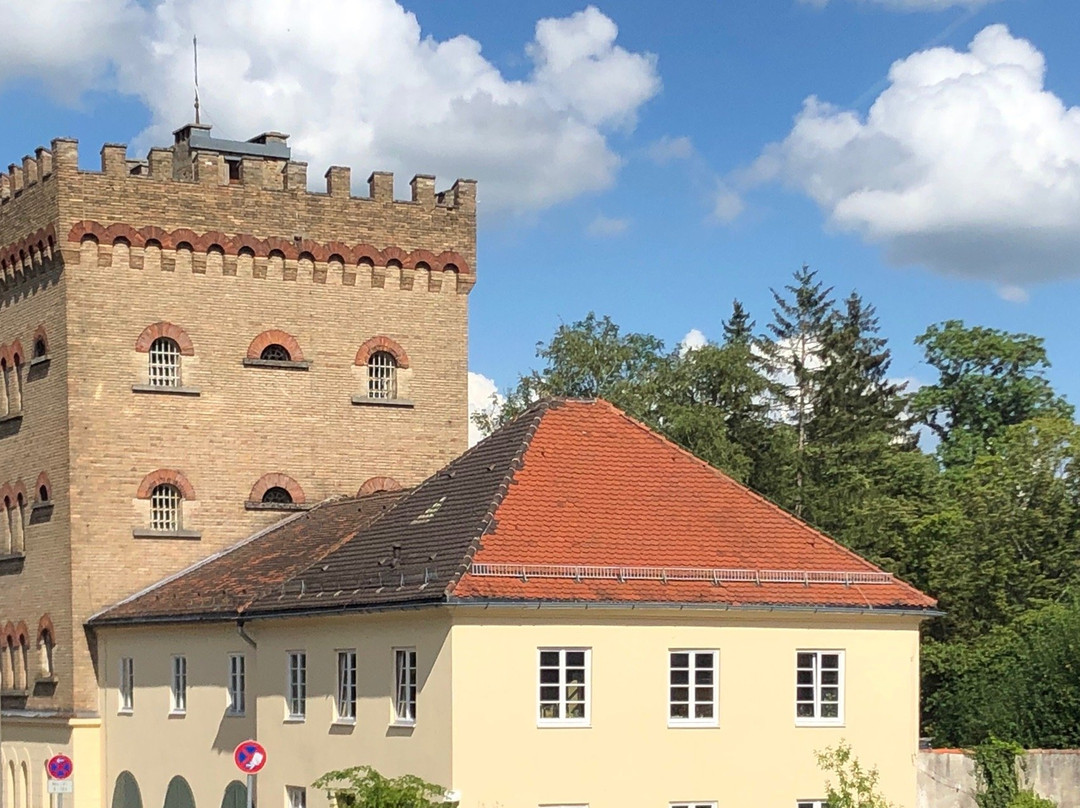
(1029,799)
(856,786)
(363,787)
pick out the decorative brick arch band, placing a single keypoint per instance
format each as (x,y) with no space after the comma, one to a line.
(374,484)
(12,354)
(164,329)
(10,493)
(275,337)
(165,476)
(376,344)
(22,633)
(43,482)
(33,247)
(276,480)
(45,624)
(291,249)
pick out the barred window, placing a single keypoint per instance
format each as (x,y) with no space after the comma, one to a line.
(382,375)
(277,495)
(165,502)
(164,363)
(275,353)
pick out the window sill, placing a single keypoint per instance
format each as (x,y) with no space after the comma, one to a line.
(39,360)
(125,712)
(294,719)
(146,533)
(178,714)
(276,506)
(47,680)
(364,401)
(12,556)
(343,722)
(819,722)
(234,714)
(42,505)
(284,364)
(556,724)
(15,693)
(11,416)
(403,723)
(165,391)
(693,724)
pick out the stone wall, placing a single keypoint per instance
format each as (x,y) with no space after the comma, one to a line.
(947,777)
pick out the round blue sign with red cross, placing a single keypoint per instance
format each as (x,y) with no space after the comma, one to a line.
(60,767)
(249,757)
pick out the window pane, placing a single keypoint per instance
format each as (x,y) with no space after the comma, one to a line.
(830,677)
(680,694)
(680,660)
(703,677)
(806,660)
(830,661)
(680,677)
(549,658)
(549,710)
(830,710)
(804,710)
(804,677)
(575,658)
(703,710)
(549,694)
(576,675)
(576,710)
(804,693)
(680,710)
(703,693)
(703,660)
(549,675)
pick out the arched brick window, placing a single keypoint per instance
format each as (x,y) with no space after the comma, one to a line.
(276,489)
(383,358)
(5,394)
(20,657)
(167,490)
(275,345)
(375,484)
(164,344)
(18,524)
(41,343)
(46,642)
(43,488)
(5,527)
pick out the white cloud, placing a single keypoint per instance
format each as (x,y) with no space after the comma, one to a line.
(604,226)
(693,340)
(727,203)
(1013,293)
(484,396)
(667,149)
(964,163)
(356,82)
(912,5)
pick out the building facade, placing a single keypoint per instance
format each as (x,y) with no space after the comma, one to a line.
(193,346)
(575,612)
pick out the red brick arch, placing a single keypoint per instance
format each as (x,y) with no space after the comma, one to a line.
(16,352)
(275,336)
(164,329)
(8,634)
(170,476)
(22,633)
(46,624)
(276,480)
(43,480)
(373,484)
(382,343)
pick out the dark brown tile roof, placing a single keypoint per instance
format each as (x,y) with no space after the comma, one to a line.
(572,501)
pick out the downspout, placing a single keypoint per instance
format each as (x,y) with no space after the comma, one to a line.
(244,635)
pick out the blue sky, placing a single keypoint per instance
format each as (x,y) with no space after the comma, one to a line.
(648,161)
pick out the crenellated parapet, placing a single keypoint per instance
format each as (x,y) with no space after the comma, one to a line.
(22,259)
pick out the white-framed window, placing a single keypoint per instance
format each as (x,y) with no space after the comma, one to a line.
(564,686)
(811,804)
(237,684)
(127,684)
(692,805)
(692,687)
(404,685)
(164,363)
(178,686)
(297,684)
(295,797)
(819,687)
(382,375)
(165,502)
(346,685)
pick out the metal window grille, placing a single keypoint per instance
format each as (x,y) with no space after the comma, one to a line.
(297,796)
(297,684)
(818,685)
(127,683)
(563,685)
(276,353)
(165,502)
(405,680)
(237,684)
(277,495)
(382,375)
(346,697)
(178,691)
(164,363)
(692,687)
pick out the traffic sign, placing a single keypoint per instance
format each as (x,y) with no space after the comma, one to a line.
(249,757)
(60,786)
(60,767)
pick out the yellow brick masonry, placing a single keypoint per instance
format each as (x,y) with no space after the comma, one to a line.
(97,439)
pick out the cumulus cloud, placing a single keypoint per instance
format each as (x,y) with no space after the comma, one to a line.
(605,226)
(356,82)
(965,163)
(668,149)
(484,397)
(693,340)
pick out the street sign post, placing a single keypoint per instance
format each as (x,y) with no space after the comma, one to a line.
(249,757)
(60,769)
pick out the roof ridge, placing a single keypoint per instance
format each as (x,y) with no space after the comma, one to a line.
(670,444)
(537,410)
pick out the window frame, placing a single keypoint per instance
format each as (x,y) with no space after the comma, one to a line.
(158,506)
(817,720)
(126,688)
(291,792)
(811,804)
(237,688)
(692,686)
(382,376)
(162,374)
(562,721)
(346,678)
(178,685)
(409,685)
(296,686)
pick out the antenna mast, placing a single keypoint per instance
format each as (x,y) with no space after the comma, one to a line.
(195,49)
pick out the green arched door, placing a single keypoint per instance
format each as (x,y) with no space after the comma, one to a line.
(126,792)
(179,795)
(235,795)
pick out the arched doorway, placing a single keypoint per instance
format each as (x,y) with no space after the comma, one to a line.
(126,792)
(179,795)
(235,795)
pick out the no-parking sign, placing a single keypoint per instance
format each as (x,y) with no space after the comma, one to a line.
(250,757)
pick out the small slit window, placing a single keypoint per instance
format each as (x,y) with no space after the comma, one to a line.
(275,353)
(40,349)
(164,363)
(277,496)
(382,375)
(165,502)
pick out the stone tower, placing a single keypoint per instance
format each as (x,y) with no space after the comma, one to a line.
(192,346)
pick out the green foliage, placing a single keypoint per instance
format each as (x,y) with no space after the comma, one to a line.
(996,773)
(851,785)
(1029,799)
(363,787)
